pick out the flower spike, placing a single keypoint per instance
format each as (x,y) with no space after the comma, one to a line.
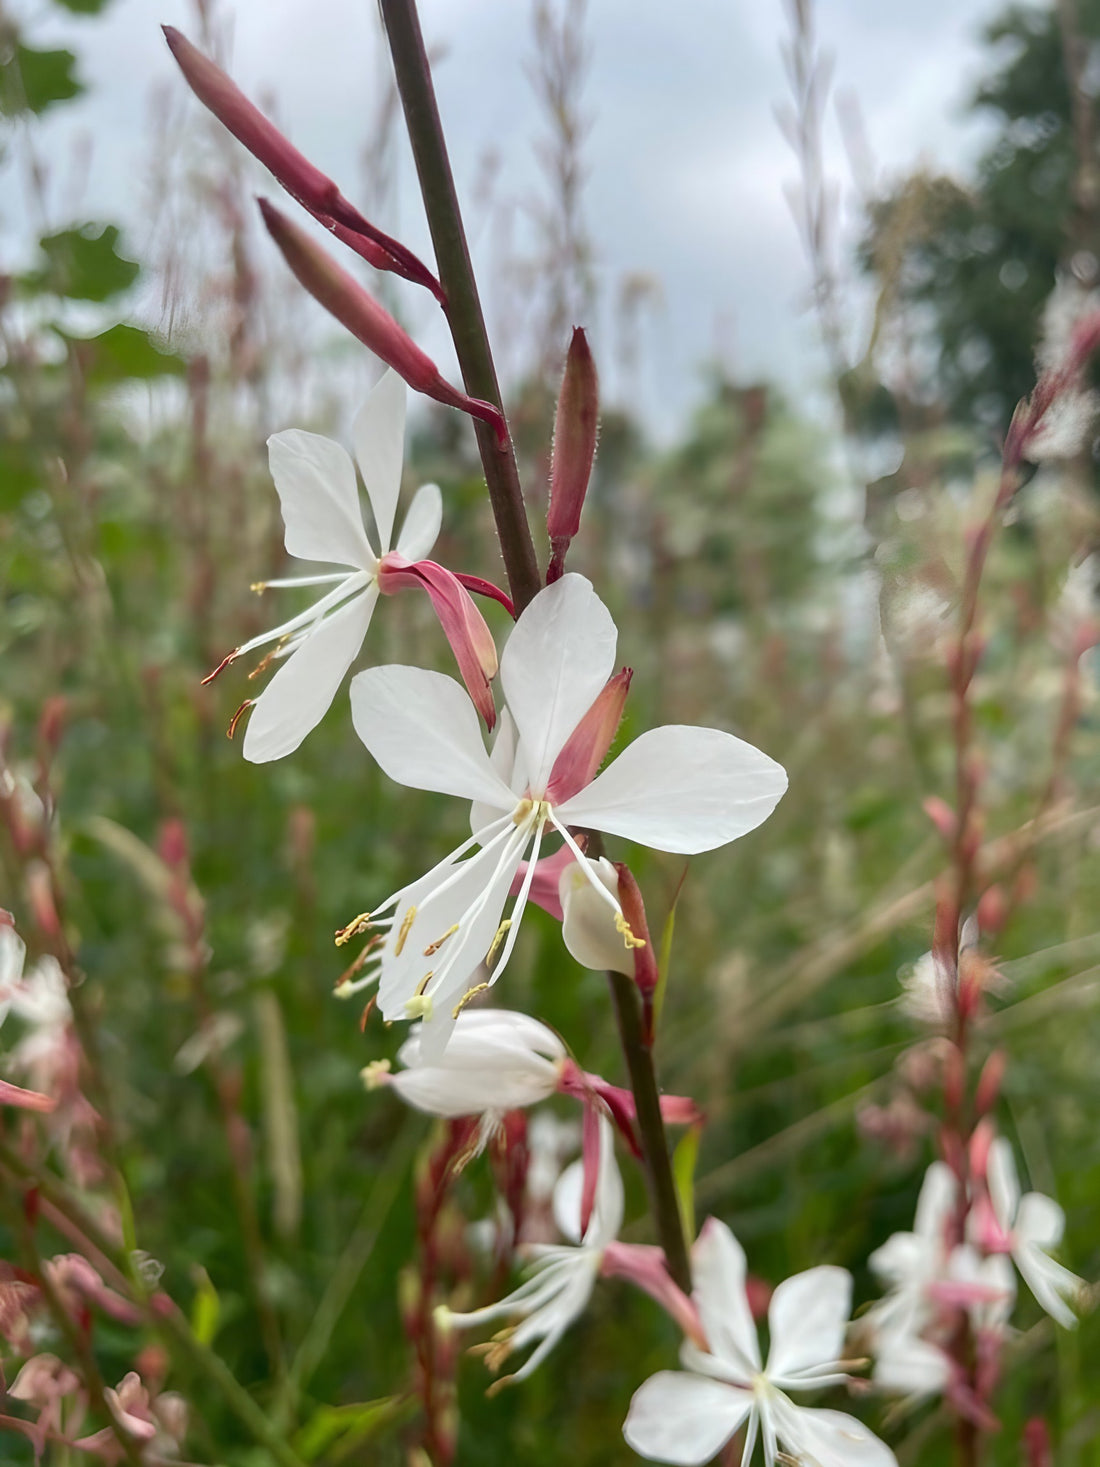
(343,297)
(312,189)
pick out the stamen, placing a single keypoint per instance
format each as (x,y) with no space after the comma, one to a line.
(241,711)
(422,986)
(470,993)
(586,866)
(222,665)
(406,927)
(433,947)
(368,1009)
(357,925)
(496,942)
(265,662)
(623,928)
(374,1075)
(258,587)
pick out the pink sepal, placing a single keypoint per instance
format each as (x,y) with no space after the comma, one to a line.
(486,588)
(586,747)
(590,1151)
(25,1099)
(676,1110)
(305,183)
(463,625)
(644,1265)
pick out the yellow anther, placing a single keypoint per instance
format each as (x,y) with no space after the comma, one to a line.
(353,929)
(344,989)
(264,663)
(433,947)
(422,985)
(498,938)
(622,927)
(406,927)
(259,587)
(522,810)
(419,1007)
(374,1075)
(467,996)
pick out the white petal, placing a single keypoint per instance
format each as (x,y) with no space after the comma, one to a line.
(299,695)
(319,499)
(557,660)
(830,1438)
(502,759)
(910,1366)
(1039,1220)
(718,1277)
(424,732)
(588,923)
(1004,1185)
(607,1209)
(936,1202)
(684,1419)
(490,1036)
(681,789)
(421,528)
(1050,1282)
(807,1318)
(495,1060)
(378,434)
(900,1259)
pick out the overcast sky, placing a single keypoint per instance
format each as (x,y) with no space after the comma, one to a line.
(687,165)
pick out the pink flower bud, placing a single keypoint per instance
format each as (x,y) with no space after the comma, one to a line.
(343,297)
(312,189)
(989,1082)
(992,910)
(575,433)
(942,816)
(645,959)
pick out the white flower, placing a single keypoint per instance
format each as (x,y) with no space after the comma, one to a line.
(687,1418)
(910,1263)
(319,498)
(496,1061)
(588,923)
(1028,1227)
(674,788)
(563,1275)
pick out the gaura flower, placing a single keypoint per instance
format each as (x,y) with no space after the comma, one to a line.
(675,788)
(910,1263)
(28,996)
(686,1417)
(563,1275)
(319,498)
(1028,1227)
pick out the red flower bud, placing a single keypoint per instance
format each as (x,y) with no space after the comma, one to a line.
(343,297)
(575,432)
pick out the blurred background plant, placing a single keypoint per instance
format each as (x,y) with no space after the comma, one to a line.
(768,579)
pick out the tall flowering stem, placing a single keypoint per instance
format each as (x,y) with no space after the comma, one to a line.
(463,304)
(638,1050)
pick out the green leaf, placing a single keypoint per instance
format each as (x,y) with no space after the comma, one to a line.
(664,954)
(120,354)
(82,264)
(351,1426)
(683,1175)
(31,81)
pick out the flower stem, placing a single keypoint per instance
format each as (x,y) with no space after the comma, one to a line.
(651,1128)
(463,306)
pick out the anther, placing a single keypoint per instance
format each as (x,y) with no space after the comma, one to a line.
(498,938)
(467,996)
(406,927)
(419,1007)
(265,662)
(623,928)
(375,1075)
(433,947)
(222,665)
(241,711)
(356,926)
(259,587)
(422,985)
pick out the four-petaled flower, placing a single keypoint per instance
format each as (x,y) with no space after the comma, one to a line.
(319,498)
(675,788)
(686,1417)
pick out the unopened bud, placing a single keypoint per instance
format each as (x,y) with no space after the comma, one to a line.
(575,432)
(981,1143)
(41,898)
(989,1082)
(51,721)
(345,299)
(942,816)
(992,910)
(172,844)
(646,975)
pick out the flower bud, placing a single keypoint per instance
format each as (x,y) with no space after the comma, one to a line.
(942,816)
(989,1082)
(312,189)
(575,433)
(343,297)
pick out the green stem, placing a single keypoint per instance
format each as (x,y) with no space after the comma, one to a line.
(651,1129)
(167,1321)
(464,314)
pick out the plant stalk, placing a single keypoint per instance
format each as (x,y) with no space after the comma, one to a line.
(463,305)
(651,1129)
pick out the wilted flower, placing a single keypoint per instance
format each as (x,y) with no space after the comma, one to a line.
(686,1417)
